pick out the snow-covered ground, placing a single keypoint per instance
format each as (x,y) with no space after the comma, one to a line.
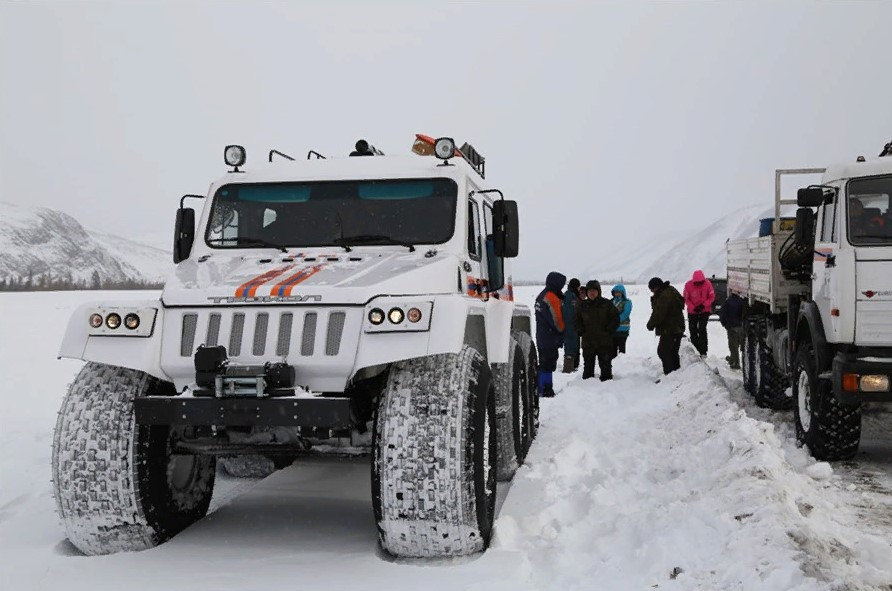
(631,484)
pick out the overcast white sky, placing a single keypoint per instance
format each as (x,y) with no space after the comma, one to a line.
(609,122)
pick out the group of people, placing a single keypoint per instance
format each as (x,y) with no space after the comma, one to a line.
(583,319)
(579,319)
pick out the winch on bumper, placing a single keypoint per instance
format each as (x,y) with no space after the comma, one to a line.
(862,378)
(235,395)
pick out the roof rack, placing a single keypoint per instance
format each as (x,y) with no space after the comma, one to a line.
(474,158)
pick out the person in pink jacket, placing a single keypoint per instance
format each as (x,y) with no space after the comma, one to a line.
(698,297)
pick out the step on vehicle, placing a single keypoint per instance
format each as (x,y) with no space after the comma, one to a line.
(328,303)
(818,320)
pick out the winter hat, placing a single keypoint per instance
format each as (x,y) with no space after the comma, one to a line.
(574,284)
(593,285)
(654,283)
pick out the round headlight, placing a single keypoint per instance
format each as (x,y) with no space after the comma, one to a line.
(414,315)
(95,320)
(395,315)
(131,321)
(113,321)
(444,148)
(234,155)
(376,316)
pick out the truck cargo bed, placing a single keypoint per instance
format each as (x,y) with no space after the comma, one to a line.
(754,272)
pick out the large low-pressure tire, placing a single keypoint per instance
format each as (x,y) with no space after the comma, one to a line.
(771,383)
(433,468)
(118,486)
(530,395)
(748,357)
(830,430)
(509,382)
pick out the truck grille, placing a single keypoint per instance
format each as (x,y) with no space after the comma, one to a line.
(249,334)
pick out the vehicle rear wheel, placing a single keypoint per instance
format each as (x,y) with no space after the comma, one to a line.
(748,357)
(530,393)
(830,430)
(434,458)
(771,383)
(508,379)
(119,486)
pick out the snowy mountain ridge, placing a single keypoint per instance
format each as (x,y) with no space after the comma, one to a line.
(44,243)
(674,259)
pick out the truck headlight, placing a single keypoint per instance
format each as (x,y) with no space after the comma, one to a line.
(131,321)
(95,320)
(376,316)
(874,383)
(396,315)
(113,321)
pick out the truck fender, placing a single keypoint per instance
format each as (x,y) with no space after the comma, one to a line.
(139,353)
(809,323)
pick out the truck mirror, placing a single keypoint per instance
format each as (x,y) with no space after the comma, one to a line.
(805,226)
(506,233)
(183,234)
(810,197)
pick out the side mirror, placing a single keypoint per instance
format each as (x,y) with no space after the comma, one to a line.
(506,233)
(183,234)
(805,226)
(810,197)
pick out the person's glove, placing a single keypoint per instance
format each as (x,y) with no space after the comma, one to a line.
(699,308)
(650,325)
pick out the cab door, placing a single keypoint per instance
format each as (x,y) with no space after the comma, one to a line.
(825,266)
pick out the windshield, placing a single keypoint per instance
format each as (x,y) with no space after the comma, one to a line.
(333,213)
(870,221)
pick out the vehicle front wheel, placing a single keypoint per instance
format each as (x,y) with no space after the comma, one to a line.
(830,430)
(119,486)
(434,458)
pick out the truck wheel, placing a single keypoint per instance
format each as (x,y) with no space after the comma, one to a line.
(830,430)
(509,381)
(118,486)
(748,357)
(771,383)
(434,458)
(530,397)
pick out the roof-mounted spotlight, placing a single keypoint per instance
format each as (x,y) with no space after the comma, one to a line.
(234,156)
(444,148)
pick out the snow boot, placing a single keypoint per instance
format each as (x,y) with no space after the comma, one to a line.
(568,364)
(548,392)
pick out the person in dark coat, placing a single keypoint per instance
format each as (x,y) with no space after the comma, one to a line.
(571,337)
(667,321)
(731,317)
(597,320)
(549,330)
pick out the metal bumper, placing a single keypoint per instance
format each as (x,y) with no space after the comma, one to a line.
(317,413)
(843,365)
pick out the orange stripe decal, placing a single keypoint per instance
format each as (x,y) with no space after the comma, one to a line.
(283,288)
(249,288)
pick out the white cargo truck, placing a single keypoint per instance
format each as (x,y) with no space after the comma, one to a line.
(817,332)
(365,300)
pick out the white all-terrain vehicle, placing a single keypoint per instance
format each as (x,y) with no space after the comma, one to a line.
(312,302)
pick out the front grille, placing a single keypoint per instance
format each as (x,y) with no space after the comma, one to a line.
(260,326)
(247,334)
(283,345)
(213,331)
(335,331)
(235,337)
(187,340)
(308,341)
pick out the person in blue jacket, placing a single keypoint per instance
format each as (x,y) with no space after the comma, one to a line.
(624,307)
(549,330)
(571,337)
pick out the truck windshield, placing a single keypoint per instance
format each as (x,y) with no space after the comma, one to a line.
(333,213)
(869,215)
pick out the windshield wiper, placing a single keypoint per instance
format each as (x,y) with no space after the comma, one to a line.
(345,241)
(245,240)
